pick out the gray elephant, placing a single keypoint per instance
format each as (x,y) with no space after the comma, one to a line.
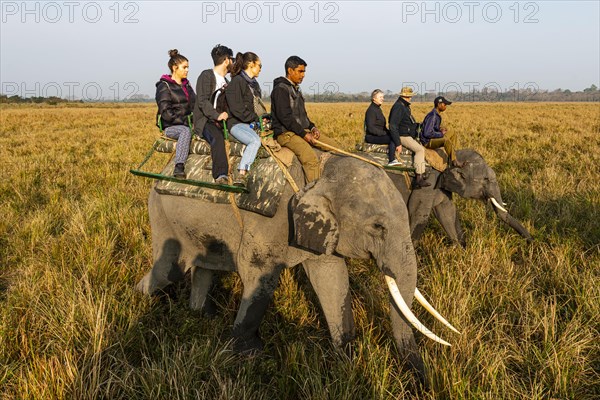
(353,210)
(476,180)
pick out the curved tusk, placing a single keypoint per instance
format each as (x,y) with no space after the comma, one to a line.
(498,206)
(395,292)
(432,310)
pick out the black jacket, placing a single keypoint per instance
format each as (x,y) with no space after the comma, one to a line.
(375,121)
(204,109)
(402,122)
(240,101)
(174,105)
(287,108)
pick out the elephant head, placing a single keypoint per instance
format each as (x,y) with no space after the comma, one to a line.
(354,210)
(476,180)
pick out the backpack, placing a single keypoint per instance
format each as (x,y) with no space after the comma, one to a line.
(221,105)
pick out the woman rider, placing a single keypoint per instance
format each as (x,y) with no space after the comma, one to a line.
(175,98)
(240,95)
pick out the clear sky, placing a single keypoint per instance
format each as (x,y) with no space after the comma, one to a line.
(110,49)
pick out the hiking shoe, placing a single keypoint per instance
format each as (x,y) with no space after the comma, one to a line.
(394,163)
(179,171)
(222,180)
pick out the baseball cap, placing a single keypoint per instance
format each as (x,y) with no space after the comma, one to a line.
(441,99)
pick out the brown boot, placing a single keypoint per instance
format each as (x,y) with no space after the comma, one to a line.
(420,182)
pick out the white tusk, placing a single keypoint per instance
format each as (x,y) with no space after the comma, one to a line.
(408,314)
(432,310)
(495,203)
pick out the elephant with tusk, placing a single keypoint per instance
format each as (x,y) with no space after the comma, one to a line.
(476,180)
(353,211)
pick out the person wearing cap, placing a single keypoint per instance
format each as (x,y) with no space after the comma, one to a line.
(403,131)
(434,136)
(376,131)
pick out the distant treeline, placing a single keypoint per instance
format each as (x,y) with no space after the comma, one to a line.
(559,95)
(590,94)
(37,100)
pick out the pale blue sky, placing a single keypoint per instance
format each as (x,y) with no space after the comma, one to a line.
(76,48)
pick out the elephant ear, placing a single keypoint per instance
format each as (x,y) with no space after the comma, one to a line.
(315,226)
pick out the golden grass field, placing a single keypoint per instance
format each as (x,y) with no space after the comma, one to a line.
(75,239)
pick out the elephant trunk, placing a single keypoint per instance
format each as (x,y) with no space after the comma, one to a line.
(495,198)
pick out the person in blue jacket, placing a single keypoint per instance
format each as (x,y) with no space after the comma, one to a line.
(435,136)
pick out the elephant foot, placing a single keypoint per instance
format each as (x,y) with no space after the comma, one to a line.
(210,308)
(248,346)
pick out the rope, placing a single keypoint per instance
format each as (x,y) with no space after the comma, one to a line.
(407,179)
(236,210)
(283,168)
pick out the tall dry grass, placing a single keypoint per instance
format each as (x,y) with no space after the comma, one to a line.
(74,240)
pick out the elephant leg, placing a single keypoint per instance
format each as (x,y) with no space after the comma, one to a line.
(419,208)
(166,269)
(165,251)
(446,213)
(329,278)
(259,285)
(202,282)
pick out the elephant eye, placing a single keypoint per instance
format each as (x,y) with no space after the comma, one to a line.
(378,226)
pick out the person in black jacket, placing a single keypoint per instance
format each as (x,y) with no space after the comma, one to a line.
(240,95)
(376,131)
(208,85)
(291,126)
(175,98)
(403,130)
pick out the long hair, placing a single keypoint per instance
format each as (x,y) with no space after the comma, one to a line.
(242,61)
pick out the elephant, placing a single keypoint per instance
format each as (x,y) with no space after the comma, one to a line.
(352,211)
(475,180)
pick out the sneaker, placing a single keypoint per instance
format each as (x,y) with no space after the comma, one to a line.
(394,163)
(222,180)
(179,171)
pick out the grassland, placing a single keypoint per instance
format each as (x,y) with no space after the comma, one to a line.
(74,240)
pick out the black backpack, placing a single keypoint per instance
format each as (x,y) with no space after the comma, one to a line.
(222,105)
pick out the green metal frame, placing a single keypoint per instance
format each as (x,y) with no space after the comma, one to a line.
(138,172)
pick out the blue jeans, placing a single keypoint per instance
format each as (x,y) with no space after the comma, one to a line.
(246,135)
